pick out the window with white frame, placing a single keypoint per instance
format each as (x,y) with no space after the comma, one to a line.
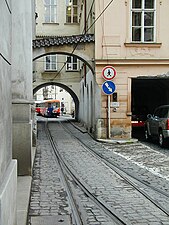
(72,63)
(143,14)
(50,62)
(71,11)
(50,11)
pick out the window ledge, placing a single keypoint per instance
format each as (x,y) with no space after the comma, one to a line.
(50,71)
(71,23)
(72,70)
(52,23)
(150,45)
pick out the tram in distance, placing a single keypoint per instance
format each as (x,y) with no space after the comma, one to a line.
(48,108)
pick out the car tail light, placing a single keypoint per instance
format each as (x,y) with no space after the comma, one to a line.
(167,127)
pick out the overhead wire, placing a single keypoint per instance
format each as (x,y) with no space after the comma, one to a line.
(85,32)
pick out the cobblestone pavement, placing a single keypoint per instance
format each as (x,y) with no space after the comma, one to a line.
(48,201)
(104,183)
(49,204)
(152,166)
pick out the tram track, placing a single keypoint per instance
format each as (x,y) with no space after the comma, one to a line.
(142,186)
(93,190)
(67,172)
(139,185)
(76,215)
(63,138)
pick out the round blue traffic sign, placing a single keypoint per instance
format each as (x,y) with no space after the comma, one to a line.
(108,87)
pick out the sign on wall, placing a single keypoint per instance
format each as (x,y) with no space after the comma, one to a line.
(108,87)
(108,72)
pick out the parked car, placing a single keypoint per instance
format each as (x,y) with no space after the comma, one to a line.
(139,116)
(157,125)
(138,120)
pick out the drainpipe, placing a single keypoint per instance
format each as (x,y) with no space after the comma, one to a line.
(85,25)
(85,29)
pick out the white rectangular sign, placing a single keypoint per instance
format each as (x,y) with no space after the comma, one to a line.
(115,104)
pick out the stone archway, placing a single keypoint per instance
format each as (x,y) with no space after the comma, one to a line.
(69,90)
(82,46)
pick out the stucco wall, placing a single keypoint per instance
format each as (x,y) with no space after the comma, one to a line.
(113,47)
(90,104)
(58,28)
(5,88)
(22,50)
(22,94)
(8,176)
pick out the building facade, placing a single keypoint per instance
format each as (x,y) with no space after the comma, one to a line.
(8,167)
(16,91)
(62,65)
(136,44)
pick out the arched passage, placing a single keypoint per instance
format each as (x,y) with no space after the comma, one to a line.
(73,95)
(82,46)
(87,61)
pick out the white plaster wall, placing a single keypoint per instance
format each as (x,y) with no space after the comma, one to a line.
(5,88)
(90,103)
(8,168)
(22,50)
(22,93)
(8,195)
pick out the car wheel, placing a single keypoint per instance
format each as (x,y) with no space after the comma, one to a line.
(161,139)
(147,136)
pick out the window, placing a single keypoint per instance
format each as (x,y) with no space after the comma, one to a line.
(72,63)
(51,62)
(50,11)
(71,11)
(143,20)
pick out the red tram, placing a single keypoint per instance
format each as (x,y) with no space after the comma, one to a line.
(48,108)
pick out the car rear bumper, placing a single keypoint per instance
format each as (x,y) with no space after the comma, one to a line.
(138,123)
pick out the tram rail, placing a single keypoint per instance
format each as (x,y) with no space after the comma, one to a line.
(117,220)
(99,187)
(138,184)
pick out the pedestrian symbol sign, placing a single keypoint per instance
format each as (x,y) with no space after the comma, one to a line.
(108,72)
(108,87)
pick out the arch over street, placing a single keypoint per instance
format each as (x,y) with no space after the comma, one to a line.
(69,90)
(82,46)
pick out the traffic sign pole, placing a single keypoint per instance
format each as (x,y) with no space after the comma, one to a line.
(108,87)
(108,116)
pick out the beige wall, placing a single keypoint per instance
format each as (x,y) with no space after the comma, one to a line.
(113,47)
(56,29)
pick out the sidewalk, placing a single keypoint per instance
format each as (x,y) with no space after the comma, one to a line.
(23,193)
(80,127)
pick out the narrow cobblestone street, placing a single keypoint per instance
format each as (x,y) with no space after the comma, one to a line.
(48,201)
